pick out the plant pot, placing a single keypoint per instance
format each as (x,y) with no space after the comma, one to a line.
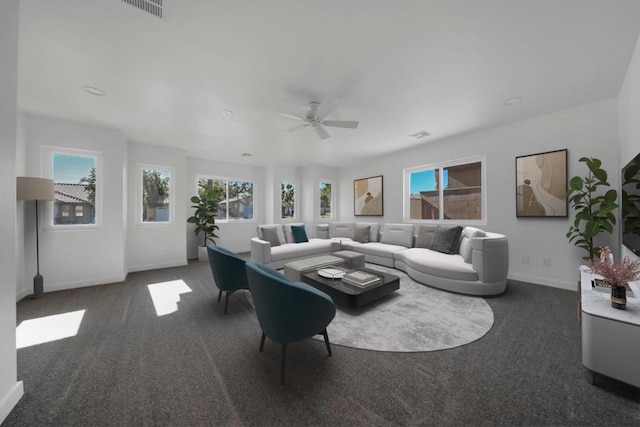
(619,297)
(203,256)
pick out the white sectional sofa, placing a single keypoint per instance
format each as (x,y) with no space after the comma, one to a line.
(477,265)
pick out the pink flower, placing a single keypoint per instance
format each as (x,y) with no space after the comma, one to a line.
(617,273)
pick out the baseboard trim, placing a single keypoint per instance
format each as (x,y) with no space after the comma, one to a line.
(9,401)
(157,266)
(83,284)
(569,286)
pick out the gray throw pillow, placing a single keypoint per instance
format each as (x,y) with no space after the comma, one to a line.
(425,236)
(446,239)
(361,233)
(271,236)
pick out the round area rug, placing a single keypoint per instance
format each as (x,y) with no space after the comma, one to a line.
(414,318)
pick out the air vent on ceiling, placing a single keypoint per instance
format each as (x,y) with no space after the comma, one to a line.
(154,7)
(421,134)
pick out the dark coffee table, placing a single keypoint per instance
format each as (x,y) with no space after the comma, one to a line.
(350,295)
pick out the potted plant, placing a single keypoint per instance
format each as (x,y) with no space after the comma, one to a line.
(594,210)
(617,275)
(204,217)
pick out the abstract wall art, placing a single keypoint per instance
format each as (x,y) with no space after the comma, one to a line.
(541,184)
(368,197)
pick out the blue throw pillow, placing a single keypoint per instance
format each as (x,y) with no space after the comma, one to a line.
(299,235)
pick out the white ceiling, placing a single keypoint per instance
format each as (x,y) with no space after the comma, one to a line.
(398,67)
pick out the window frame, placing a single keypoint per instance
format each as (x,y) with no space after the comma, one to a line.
(141,167)
(295,200)
(47,171)
(227,179)
(333,199)
(441,166)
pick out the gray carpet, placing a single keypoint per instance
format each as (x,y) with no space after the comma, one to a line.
(413,318)
(195,366)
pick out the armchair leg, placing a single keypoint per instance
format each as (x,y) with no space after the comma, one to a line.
(284,354)
(326,341)
(226,301)
(219,295)
(262,341)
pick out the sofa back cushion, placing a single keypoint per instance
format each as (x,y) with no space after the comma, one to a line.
(397,234)
(299,235)
(341,229)
(465,242)
(446,239)
(277,227)
(425,235)
(288,235)
(322,231)
(373,230)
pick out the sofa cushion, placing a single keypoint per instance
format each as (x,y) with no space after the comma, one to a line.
(277,227)
(425,235)
(437,264)
(361,233)
(302,250)
(288,235)
(373,232)
(271,236)
(383,250)
(299,235)
(465,242)
(341,229)
(398,234)
(446,239)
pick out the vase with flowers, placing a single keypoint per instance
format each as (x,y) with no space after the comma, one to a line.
(617,275)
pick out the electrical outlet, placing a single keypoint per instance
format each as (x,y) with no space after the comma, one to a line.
(546,262)
(524,259)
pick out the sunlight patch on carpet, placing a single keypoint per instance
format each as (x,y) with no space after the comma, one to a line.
(166,295)
(48,328)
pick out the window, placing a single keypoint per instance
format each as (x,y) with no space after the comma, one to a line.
(288,200)
(326,200)
(446,191)
(235,198)
(156,194)
(77,185)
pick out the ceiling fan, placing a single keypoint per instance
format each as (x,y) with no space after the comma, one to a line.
(316,121)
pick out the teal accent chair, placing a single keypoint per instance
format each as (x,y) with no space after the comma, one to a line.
(288,311)
(228,270)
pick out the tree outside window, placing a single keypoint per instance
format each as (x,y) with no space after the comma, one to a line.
(155,195)
(287,201)
(326,200)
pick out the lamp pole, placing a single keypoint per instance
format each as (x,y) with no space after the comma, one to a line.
(38,280)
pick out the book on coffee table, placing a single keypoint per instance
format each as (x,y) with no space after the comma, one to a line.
(360,278)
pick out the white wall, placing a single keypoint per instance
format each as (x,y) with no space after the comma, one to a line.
(588,130)
(71,258)
(11,390)
(233,235)
(158,245)
(629,117)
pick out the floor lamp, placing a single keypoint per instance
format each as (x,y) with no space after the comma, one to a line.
(38,189)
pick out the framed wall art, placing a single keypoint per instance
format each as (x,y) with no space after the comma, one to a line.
(368,196)
(541,184)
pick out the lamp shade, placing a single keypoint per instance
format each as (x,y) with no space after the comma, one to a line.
(31,188)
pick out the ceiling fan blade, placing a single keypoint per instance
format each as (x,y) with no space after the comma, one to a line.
(340,124)
(294,128)
(323,134)
(291,116)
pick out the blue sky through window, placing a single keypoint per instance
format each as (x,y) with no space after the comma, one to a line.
(69,169)
(426,181)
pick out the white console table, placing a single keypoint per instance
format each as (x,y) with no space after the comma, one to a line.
(610,337)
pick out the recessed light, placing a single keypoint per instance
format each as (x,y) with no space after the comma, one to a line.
(512,101)
(93,90)
(246,154)
(226,113)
